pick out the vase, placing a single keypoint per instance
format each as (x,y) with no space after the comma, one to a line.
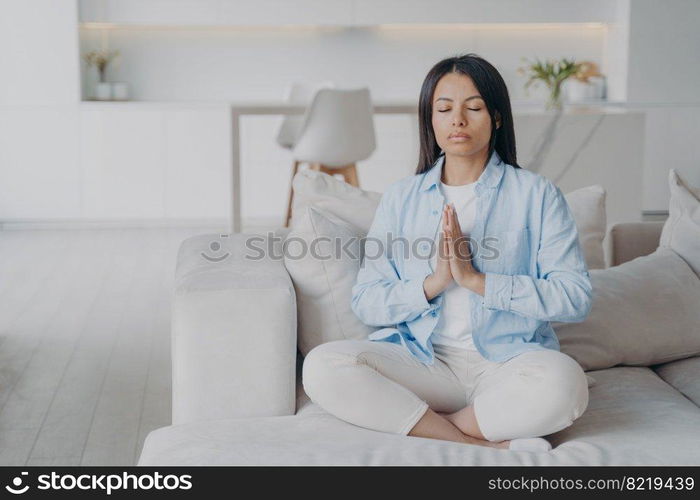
(120,91)
(598,87)
(554,100)
(577,91)
(103,91)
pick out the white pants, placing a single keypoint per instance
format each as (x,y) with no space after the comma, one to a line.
(381,386)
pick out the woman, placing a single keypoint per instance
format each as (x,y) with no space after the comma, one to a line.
(466,351)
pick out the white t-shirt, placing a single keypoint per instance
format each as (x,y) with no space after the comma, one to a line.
(454,327)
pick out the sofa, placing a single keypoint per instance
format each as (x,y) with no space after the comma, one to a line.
(238,398)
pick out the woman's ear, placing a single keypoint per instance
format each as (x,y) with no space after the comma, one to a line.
(498,119)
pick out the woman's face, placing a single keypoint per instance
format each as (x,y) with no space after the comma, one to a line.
(459,109)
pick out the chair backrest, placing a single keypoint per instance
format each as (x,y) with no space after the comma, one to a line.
(301,93)
(338,128)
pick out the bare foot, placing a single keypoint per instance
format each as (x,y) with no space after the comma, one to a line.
(448,416)
(471,439)
(489,444)
(456,419)
(503,444)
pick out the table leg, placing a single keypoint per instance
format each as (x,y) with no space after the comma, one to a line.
(235,223)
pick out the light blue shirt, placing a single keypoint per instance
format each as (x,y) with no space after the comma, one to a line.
(524,240)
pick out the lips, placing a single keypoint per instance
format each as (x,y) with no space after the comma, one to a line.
(460,136)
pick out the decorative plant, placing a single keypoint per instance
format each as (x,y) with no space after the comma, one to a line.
(552,73)
(586,70)
(100,59)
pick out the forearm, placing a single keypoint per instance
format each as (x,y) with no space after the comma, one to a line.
(476,282)
(433,286)
(565,298)
(387,302)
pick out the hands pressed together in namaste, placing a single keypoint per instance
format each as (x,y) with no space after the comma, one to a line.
(454,261)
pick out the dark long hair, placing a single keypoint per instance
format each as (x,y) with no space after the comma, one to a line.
(493,90)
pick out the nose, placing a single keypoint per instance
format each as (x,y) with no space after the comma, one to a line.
(458,119)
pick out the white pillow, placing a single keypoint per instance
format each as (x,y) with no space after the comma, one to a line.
(645,311)
(333,196)
(681,231)
(323,285)
(588,208)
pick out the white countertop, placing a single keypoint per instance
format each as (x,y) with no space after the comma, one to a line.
(519,107)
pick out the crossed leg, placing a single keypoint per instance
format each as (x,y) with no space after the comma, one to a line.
(532,394)
(381,386)
(438,425)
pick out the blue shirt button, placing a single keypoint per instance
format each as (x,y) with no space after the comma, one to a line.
(434,212)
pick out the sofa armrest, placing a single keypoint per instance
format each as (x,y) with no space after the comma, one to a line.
(233,330)
(630,240)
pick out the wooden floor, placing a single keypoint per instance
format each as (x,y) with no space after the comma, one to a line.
(84,342)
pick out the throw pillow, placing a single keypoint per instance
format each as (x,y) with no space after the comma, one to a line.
(322,256)
(681,231)
(333,196)
(645,311)
(587,205)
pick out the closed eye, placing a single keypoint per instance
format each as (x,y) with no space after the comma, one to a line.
(470,109)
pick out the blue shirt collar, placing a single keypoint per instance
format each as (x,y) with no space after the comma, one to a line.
(489,178)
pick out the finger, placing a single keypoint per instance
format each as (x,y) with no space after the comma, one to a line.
(451,242)
(463,249)
(455,220)
(453,227)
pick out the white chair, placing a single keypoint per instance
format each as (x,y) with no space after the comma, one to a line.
(337,132)
(300,93)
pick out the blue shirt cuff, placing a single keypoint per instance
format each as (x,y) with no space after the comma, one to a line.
(498,291)
(419,301)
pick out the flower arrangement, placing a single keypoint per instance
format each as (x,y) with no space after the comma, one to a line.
(552,73)
(100,59)
(586,70)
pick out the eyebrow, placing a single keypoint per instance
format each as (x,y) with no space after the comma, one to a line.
(467,99)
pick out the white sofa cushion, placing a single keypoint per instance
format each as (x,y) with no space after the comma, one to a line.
(217,333)
(681,232)
(633,418)
(645,311)
(334,196)
(323,279)
(683,374)
(587,205)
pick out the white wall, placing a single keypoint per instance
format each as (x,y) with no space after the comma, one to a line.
(39,109)
(343,12)
(39,52)
(664,81)
(238,64)
(664,60)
